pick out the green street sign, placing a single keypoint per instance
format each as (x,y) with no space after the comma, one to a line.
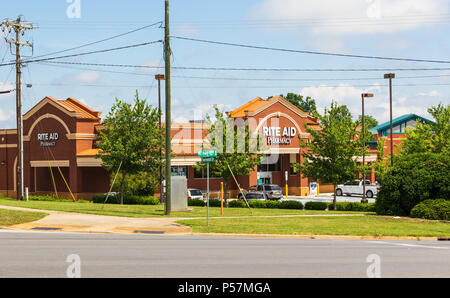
(207,159)
(207,153)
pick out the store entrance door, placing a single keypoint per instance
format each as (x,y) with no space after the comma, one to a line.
(264,177)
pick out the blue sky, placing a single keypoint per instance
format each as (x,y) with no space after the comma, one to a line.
(394,28)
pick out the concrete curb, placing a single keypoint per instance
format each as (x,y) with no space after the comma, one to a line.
(335,237)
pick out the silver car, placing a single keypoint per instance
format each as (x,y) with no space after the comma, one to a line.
(272,191)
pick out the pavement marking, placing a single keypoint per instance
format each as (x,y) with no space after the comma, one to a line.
(410,245)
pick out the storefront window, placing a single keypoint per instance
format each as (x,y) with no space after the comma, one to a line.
(200,173)
(270,164)
(179,171)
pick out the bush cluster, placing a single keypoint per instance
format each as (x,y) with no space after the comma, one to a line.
(432,209)
(196,202)
(413,178)
(271,204)
(127,200)
(53,199)
(353,206)
(316,206)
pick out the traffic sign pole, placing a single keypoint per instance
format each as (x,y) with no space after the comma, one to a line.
(207,195)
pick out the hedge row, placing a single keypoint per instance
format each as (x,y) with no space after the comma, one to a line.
(127,200)
(267,204)
(353,206)
(53,199)
(201,203)
(432,209)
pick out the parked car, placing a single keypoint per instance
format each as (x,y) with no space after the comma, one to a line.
(256,196)
(356,188)
(272,191)
(195,194)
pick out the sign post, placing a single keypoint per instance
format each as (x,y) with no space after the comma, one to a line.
(207,157)
(286,176)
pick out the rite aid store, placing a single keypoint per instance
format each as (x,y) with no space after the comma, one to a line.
(59,146)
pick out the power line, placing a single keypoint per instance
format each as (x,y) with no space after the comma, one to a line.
(102,40)
(86,53)
(243,79)
(254,69)
(245,86)
(309,52)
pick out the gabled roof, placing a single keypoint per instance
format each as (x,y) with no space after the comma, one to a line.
(258,104)
(70,106)
(398,120)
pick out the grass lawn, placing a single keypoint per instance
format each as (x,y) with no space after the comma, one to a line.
(14,217)
(370,225)
(154,211)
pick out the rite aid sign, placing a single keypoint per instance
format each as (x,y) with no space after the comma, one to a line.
(277,136)
(48,139)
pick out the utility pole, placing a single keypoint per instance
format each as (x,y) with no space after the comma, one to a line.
(160,77)
(391,76)
(19,28)
(168,147)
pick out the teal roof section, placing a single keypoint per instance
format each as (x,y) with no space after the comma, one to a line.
(398,120)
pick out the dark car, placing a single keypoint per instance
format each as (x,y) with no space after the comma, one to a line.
(261,196)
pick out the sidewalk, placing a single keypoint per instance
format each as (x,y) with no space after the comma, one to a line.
(90,223)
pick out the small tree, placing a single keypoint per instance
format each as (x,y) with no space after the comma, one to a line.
(428,137)
(329,154)
(131,139)
(236,150)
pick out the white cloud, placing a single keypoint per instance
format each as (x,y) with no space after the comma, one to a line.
(87,77)
(4,116)
(324,24)
(185,114)
(187,29)
(355,16)
(378,106)
(432,93)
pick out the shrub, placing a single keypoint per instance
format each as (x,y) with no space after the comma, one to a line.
(272,204)
(291,205)
(236,204)
(196,202)
(48,199)
(353,206)
(140,184)
(432,209)
(127,200)
(316,206)
(214,203)
(257,204)
(414,178)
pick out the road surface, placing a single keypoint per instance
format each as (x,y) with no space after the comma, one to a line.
(44,254)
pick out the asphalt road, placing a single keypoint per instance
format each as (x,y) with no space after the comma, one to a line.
(40,254)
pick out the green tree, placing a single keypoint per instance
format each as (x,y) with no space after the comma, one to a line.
(306,104)
(429,137)
(329,154)
(139,184)
(369,121)
(131,139)
(236,148)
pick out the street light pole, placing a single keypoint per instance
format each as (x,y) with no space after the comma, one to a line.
(391,76)
(364,200)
